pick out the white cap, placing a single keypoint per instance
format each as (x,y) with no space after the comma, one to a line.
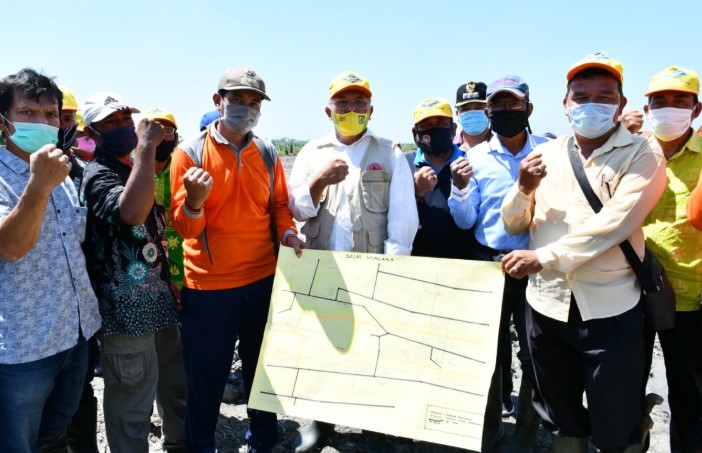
(101,105)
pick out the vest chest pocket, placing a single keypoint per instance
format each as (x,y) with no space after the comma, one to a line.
(376,190)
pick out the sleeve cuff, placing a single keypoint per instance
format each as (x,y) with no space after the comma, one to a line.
(191,214)
(459,194)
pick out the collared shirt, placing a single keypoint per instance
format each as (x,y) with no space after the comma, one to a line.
(45,296)
(578,249)
(127,263)
(402,215)
(495,170)
(669,233)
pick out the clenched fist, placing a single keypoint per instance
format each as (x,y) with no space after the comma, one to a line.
(461,172)
(424,181)
(48,167)
(531,171)
(333,172)
(150,134)
(198,184)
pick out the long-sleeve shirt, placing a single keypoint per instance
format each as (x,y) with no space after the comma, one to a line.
(229,244)
(694,205)
(495,170)
(668,232)
(578,249)
(402,215)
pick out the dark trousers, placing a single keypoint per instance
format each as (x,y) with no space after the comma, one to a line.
(682,353)
(603,358)
(211,322)
(513,305)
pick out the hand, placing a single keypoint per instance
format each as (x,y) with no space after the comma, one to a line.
(520,263)
(531,171)
(632,120)
(149,134)
(461,172)
(198,184)
(424,181)
(333,172)
(296,243)
(48,167)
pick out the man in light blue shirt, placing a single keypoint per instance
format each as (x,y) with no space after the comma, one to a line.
(47,306)
(495,167)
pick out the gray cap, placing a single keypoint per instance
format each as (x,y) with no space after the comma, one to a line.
(242,78)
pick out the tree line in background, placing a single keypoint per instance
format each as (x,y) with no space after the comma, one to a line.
(291,146)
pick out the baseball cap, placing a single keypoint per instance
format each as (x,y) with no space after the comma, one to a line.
(512,84)
(471,92)
(156,113)
(432,107)
(242,78)
(673,78)
(69,99)
(598,60)
(349,80)
(101,105)
(209,118)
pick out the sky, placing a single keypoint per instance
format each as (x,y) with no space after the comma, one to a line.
(171,54)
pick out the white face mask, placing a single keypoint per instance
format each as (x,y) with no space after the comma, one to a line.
(669,123)
(592,120)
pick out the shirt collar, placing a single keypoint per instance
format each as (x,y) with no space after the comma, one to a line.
(419,158)
(12,161)
(219,138)
(496,146)
(331,140)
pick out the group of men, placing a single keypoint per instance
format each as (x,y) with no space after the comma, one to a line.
(93,250)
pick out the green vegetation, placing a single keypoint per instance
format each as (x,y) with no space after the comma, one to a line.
(288,146)
(291,146)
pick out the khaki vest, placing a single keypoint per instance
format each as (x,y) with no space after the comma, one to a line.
(369,201)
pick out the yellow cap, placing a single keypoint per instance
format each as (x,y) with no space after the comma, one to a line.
(432,107)
(675,78)
(69,100)
(156,113)
(598,60)
(349,80)
(79,120)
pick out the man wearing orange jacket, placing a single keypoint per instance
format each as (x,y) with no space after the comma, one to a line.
(229,201)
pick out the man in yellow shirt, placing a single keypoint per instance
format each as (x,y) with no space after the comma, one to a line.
(671,108)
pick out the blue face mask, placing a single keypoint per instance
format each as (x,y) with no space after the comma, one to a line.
(118,142)
(473,122)
(592,120)
(30,137)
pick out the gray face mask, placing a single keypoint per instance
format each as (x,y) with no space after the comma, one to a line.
(240,119)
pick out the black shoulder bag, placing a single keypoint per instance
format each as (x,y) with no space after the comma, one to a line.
(658,296)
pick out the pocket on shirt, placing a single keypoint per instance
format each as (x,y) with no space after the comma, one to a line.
(375,186)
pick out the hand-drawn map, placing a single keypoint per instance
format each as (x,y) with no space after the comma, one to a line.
(394,344)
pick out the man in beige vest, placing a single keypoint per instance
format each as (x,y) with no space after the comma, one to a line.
(355,192)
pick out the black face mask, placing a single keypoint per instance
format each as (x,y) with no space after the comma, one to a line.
(509,123)
(164,149)
(438,140)
(118,142)
(66,137)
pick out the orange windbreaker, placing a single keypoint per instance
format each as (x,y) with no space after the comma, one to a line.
(230,245)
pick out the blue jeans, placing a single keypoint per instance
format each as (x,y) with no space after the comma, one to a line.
(38,399)
(211,322)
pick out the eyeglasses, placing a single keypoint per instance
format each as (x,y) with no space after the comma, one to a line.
(169,130)
(346,104)
(509,105)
